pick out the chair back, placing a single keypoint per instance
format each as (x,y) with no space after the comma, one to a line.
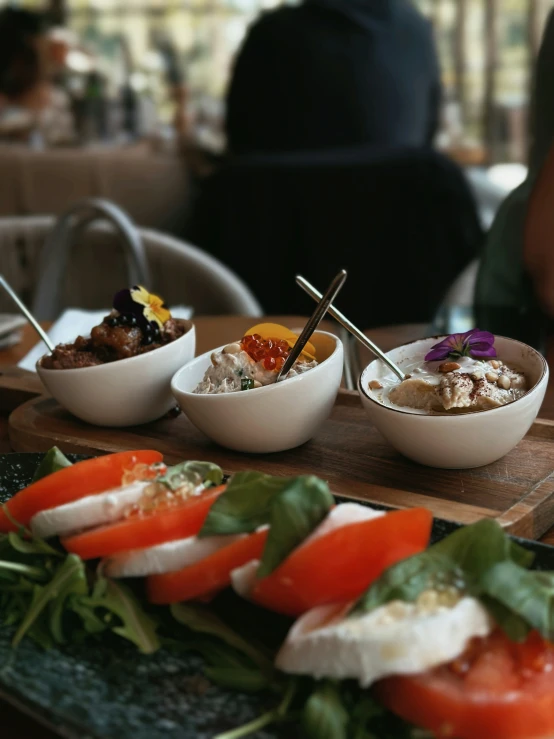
(96,267)
(403,223)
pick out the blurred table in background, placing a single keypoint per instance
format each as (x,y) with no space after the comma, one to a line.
(152,187)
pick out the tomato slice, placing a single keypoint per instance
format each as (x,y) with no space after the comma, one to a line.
(208,576)
(340,565)
(141,530)
(496,690)
(72,483)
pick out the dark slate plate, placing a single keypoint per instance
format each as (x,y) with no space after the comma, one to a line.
(109,691)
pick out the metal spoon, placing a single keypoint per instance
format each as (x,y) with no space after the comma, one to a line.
(362,338)
(28,315)
(322,308)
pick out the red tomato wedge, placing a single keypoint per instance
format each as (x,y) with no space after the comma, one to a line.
(141,530)
(340,565)
(208,576)
(496,690)
(72,483)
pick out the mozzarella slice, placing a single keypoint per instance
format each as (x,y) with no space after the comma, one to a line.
(93,510)
(395,639)
(243,578)
(168,557)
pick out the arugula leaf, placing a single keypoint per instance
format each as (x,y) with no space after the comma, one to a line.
(52,461)
(527,594)
(201,620)
(136,625)
(324,715)
(292,506)
(191,472)
(238,678)
(245,505)
(33,545)
(70,577)
(294,514)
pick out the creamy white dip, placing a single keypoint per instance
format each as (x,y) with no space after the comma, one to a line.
(456,386)
(232,365)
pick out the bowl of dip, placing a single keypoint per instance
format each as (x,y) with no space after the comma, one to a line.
(455,413)
(260,418)
(121,374)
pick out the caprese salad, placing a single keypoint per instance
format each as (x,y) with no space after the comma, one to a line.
(387,636)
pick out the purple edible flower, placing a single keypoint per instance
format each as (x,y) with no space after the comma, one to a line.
(475,343)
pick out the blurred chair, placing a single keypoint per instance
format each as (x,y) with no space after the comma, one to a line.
(97,267)
(403,223)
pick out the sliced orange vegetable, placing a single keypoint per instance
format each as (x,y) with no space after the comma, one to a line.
(341,565)
(497,689)
(276,331)
(207,576)
(72,483)
(145,529)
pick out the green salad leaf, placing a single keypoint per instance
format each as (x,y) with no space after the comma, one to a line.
(324,715)
(528,594)
(203,621)
(294,514)
(69,578)
(193,473)
(245,505)
(136,625)
(52,461)
(291,506)
(478,560)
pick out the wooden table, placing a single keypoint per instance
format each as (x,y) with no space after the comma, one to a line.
(211,332)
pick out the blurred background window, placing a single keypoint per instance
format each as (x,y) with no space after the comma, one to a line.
(486,49)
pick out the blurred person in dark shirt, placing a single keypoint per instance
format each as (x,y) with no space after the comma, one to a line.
(23,58)
(335,73)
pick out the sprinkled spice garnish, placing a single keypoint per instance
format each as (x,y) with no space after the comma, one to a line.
(475,343)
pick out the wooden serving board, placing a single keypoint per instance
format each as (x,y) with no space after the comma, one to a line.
(348,452)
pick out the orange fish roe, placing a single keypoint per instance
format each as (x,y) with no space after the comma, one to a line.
(271,352)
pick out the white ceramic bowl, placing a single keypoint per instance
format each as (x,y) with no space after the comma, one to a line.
(270,418)
(459,441)
(127,392)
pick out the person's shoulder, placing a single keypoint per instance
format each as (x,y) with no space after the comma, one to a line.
(407,13)
(273,20)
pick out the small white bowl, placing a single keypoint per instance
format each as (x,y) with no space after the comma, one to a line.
(126,392)
(464,440)
(270,418)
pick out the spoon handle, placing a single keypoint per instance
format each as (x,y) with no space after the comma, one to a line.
(29,316)
(321,309)
(362,338)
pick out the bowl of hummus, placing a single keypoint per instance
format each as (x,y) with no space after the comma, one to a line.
(462,404)
(231,393)
(121,374)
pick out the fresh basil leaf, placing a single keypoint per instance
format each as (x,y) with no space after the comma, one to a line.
(514,626)
(525,593)
(407,579)
(324,715)
(479,546)
(245,505)
(136,625)
(295,513)
(238,678)
(52,461)
(203,621)
(193,473)
(68,575)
